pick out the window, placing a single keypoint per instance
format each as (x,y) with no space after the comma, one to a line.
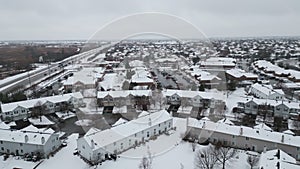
(2,148)
(148,134)
(115,143)
(1,142)
(134,135)
(21,151)
(83,147)
(247,138)
(233,136)
(21,144)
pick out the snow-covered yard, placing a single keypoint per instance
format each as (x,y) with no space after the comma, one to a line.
(84,122)
(65,116)
(40,121)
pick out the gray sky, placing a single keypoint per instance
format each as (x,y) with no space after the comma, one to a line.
(78,19)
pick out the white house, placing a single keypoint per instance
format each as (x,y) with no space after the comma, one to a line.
(256,139)
(277,159)
(23,109)
(96,145)
(266,92)
(30,140)
(84,79)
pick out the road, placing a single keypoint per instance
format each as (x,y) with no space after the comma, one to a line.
(36,76)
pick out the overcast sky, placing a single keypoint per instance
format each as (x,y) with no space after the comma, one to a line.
(80,19)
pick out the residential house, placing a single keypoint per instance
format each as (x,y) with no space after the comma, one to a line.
(97,145)
(242,137)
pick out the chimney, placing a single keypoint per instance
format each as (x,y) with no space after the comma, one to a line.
(241,131)
(150,122)
(92,144)
(204,125)
(26,138)
(282,138)
(43,140)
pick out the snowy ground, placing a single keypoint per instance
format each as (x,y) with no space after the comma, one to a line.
(84,122)
(43,121)
(168,151)
(65,116)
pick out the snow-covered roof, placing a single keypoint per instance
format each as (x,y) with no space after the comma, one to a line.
(136,63)
(192,94)
(289,104)
(4,126)
(114,134)
(258,134)
(30,133)
(203,75)
(238,73)
(85,76)
(120,122)
(271,158)
(141,76)
(266,89)
(124,93)
(262,126)
(31,103)
(111,81)
(218,61)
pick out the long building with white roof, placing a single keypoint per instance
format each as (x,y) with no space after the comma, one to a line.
(266,92)
(242,137)
(124,97)
(96,145)
(23,109)
(30,140)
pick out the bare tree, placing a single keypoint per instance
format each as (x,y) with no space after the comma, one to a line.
(252,160)
(38,110)
(146,162)
(224,154)
(205,158)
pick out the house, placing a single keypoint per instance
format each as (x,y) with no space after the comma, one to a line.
(24,109)
(242,137)
(141,78)
(272,107)
(30,140)
(98,145)
(86,78)
(240,75)
(218,63)
(277,159)
(193,98)
(266,92)
(124,97)
(205,77)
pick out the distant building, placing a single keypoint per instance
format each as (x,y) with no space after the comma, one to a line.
(266,92)
(272,107)
(139,98)
(96,145)
(256,139)
(86,78)
(218,63)
(23,109)
(240,75)
(30,140)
